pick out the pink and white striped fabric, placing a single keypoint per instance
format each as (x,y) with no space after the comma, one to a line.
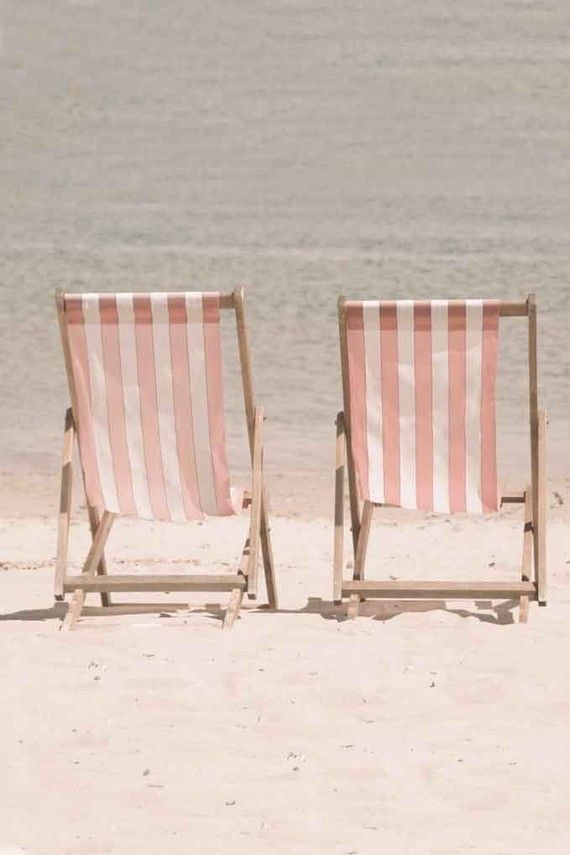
(148,378)
(422,403)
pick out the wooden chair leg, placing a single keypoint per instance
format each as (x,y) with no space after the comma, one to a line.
(64,517)
(352,495)
(540,522)
(353,606)
(94,520)
(338,551)
(233,608)
(267,552)
(362,544)
(100,537)
(89,568)
(351,471)
(256,496)
(526,568)
(247,383)
(74,610)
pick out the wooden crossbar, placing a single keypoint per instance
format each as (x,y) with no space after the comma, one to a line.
(165,583)
(510,499)
(513,499)
(445,590)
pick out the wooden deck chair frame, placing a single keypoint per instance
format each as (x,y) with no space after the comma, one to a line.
(94,576)
(532,584)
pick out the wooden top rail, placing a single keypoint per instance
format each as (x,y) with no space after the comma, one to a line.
(507,308)
(227,298)
(513,308)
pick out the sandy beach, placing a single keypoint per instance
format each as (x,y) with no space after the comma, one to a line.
(426,728)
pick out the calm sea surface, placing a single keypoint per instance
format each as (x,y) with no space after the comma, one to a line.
(388,149)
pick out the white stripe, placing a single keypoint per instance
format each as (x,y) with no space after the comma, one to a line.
(473,384)
(199,397)
(92,317)
(132,407)
(374,438)
(407,395)
(165,405)
(440,385)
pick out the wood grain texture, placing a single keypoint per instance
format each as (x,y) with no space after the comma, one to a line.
(165,583)
(445,590)
(233,608)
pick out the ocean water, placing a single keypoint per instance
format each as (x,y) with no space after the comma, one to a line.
(382,148)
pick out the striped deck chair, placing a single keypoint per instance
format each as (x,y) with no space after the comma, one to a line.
(145,380)
(418,431)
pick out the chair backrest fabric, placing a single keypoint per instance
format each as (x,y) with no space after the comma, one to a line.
(422,378)
(147,372)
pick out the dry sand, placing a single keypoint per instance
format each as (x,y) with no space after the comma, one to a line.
(414,729)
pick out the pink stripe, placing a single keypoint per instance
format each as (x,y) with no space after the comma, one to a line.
(390,402)
(149,407)
(80,367)
(424,413)
(183,406)
(115,406)
(489,486)
(357,386)
(457,403)
(213,353)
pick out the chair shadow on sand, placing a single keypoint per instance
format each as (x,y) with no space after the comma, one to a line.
(385,610)
(500,614)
